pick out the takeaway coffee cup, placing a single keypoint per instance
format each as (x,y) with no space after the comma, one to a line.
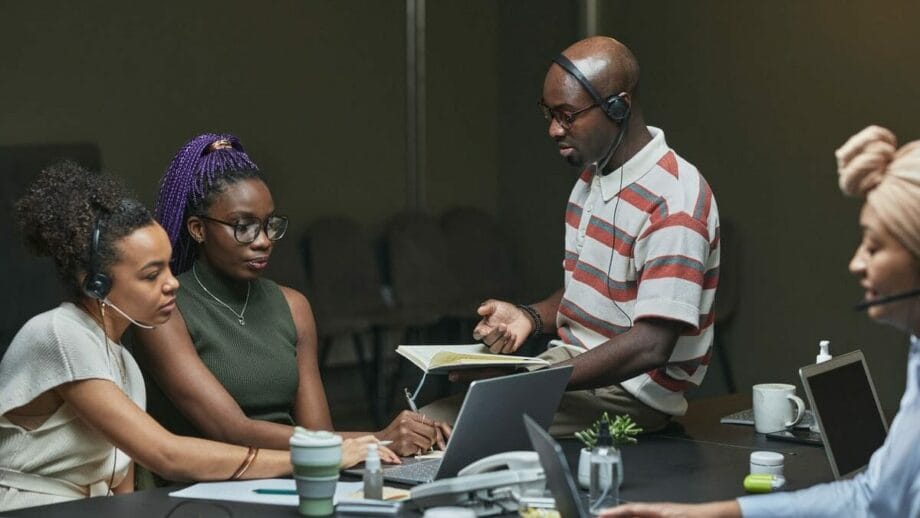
(316,457)
(776,407)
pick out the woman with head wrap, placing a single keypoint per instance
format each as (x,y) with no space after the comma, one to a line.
(887,264)
(239,360)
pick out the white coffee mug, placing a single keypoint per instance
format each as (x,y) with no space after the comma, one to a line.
(776,407)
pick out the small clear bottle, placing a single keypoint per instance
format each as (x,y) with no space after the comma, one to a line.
(824,352)
(373,474)
(604,490)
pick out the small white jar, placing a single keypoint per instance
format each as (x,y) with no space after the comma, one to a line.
(767,463)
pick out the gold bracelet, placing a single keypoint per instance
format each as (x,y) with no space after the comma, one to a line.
(250,457)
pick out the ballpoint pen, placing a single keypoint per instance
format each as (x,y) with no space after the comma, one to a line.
(410,401)
(270,491)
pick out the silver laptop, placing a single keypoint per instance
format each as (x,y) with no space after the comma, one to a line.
(489,422)
(845,403)
(559,479)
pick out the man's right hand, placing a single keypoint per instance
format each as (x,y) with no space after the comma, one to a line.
(503,327)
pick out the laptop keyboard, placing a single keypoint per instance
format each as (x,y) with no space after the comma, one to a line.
(747,417)
(421,471)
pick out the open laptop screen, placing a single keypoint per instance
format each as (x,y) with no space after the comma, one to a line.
(843,398)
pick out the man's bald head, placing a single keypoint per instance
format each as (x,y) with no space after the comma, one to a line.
(584,133)
(607,63)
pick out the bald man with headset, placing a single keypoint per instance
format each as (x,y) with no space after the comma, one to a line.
(641,259)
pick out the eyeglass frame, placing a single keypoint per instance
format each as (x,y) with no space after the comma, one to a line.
(570,116)
(263,227)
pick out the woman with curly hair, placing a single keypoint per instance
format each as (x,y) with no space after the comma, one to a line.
(238,362)
(887,264)
(72,419)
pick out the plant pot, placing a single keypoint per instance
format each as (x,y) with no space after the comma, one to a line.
(584,469)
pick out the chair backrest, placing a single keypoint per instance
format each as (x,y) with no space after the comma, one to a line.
(479,255)
(286,265)
(343,279)
(419,264)
(727,294)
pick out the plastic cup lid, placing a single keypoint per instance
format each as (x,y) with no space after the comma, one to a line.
(767,458)
(308,438)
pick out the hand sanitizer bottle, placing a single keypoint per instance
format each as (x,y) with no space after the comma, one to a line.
(604,490)
(823,351)
(373,475)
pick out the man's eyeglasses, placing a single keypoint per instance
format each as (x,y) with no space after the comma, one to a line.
(246,230)
(563,117)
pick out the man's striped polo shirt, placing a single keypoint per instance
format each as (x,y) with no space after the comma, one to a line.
(650,249)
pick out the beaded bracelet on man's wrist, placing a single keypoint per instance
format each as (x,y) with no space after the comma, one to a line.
(535,317)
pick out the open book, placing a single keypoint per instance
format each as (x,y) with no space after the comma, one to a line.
(439,359)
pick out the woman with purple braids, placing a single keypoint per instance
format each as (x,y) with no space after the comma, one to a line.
(238,361)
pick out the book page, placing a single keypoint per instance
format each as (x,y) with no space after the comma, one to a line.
(421,355)
(443,357)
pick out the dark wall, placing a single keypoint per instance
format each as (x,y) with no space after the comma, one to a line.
(315,90)
(758,95)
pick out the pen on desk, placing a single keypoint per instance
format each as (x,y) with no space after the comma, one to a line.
(268,491)
(410,401)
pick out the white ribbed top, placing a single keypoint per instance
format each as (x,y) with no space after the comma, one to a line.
(56,347)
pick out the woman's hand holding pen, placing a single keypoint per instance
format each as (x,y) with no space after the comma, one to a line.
(413,433)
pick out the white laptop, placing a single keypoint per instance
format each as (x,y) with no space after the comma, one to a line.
(845,403)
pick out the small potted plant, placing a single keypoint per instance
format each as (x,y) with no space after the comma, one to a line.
(623,431)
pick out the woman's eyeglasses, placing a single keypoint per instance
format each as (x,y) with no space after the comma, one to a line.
(246,230)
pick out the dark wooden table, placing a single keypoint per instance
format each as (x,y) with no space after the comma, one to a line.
(696,459)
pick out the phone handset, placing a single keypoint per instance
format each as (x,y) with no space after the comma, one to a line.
(492,485)
(511,460)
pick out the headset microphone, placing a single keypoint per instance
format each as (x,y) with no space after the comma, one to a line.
(865,304)
(98,284)
(108,302)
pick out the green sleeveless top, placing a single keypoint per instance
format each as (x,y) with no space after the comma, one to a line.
(255,362)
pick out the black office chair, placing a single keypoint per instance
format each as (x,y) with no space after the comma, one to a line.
(345,291)
(727,296)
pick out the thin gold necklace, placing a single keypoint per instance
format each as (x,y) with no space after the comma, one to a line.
(239,316)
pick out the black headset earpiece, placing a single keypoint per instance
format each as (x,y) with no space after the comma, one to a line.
(96,284)
(615,106)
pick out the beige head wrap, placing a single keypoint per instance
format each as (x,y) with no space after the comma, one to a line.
(871,165)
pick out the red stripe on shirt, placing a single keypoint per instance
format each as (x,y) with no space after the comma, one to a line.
(656,208)
(660,268)
(660,377)
(623,246)
(573,215)
(669,163)
(681,219)
(690,366)
(711,279)
(704,200)
(602,284)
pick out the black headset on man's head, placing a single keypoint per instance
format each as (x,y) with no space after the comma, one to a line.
(614,106)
